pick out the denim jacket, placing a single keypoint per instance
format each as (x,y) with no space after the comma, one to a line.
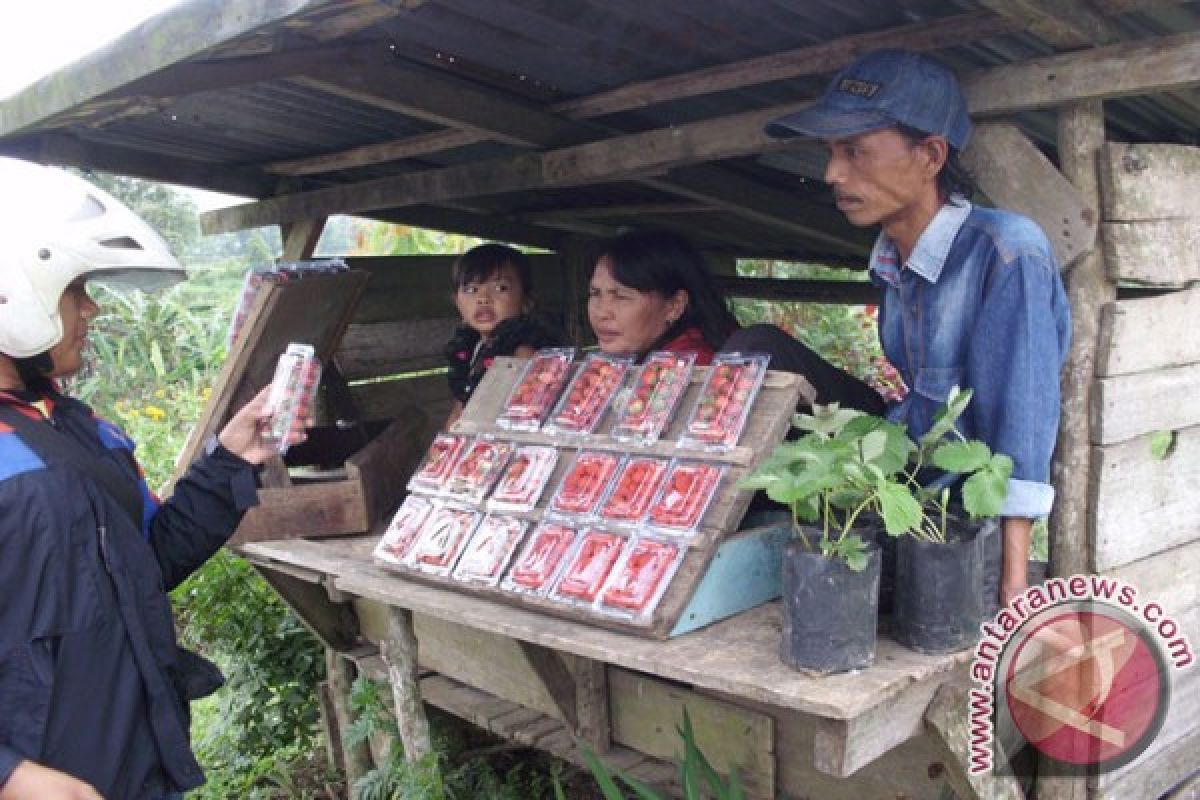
(980,304)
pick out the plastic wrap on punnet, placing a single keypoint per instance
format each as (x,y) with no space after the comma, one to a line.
(657,388)
(404,529)
(724,403)
(292,394)
(536,389)
(587,397)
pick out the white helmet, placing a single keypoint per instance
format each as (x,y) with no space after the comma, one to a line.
(54,229)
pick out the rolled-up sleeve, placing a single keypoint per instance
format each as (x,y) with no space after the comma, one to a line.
(1016,353)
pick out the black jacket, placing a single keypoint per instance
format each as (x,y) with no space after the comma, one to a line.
(92,682)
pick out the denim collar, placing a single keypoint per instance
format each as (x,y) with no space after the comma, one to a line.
(929,256)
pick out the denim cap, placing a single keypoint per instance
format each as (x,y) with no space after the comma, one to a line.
(882,89)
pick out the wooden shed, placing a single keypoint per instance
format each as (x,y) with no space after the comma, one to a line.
(553,123)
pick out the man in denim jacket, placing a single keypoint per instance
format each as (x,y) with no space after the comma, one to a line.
(972,296)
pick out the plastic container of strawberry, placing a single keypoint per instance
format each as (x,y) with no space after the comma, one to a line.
(632,491)
(584,484)
(724,403)
(403,530)
(685,496)
(656,390)
(480,465)
(525,478)
(442,539)
(637,584)
(292,394)
(545,551)
(589,566)
(438,464)
(537,389)
(588,396)
(490,549)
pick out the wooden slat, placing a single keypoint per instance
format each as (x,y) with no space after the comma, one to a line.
(1161,64)
(391,399)
(646,712)
(1171,578)
(843,747)
(1182,713)
(1143,506)
(948,722)
(1126,406)
(390,348)
(1149,181)
(487,661)
(1005,163)
(420,287)
(1161,252)
(1062,23)
(1149,333)
(1160,774)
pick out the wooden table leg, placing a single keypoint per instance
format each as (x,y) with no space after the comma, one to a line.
(399,652)
(356,760)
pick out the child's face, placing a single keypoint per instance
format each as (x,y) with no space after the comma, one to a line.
(485,304)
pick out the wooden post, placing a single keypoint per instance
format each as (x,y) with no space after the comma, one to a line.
(593,721)
(399,652)
(1080,137)
(340,673)
(577,266)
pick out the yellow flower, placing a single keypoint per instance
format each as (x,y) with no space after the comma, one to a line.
(155,413)
(160,393)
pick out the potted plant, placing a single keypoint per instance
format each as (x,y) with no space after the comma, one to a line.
(853,480)
(940,564)
(841,480)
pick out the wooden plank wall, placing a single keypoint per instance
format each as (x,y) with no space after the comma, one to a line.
(1144,522)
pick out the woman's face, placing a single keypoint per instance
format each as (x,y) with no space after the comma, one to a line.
(77,309)
(626,320)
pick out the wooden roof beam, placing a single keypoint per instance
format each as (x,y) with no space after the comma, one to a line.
(1062,23)
(1144,67)
(623,157)
(68,151)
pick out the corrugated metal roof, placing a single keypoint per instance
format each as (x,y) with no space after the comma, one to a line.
(542,55)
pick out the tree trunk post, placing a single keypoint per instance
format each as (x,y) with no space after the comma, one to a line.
(399,652)
(1080,137)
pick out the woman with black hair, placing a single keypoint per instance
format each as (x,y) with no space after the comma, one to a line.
(651,290)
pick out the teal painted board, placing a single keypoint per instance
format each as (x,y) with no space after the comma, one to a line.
(744,573)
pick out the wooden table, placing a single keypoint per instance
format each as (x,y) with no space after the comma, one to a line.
(852,719)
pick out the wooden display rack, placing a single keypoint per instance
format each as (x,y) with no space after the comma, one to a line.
(724,570)
(371,466)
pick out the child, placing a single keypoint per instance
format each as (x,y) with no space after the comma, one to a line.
(493,291)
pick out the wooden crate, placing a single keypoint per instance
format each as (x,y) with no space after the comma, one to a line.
(352,498)
(769,421)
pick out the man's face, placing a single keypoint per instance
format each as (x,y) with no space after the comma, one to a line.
(76,309)
(879,178)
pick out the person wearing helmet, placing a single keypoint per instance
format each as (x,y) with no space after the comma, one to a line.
(93,687)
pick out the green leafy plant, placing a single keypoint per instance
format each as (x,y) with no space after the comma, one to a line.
(849,464)
(697,777)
